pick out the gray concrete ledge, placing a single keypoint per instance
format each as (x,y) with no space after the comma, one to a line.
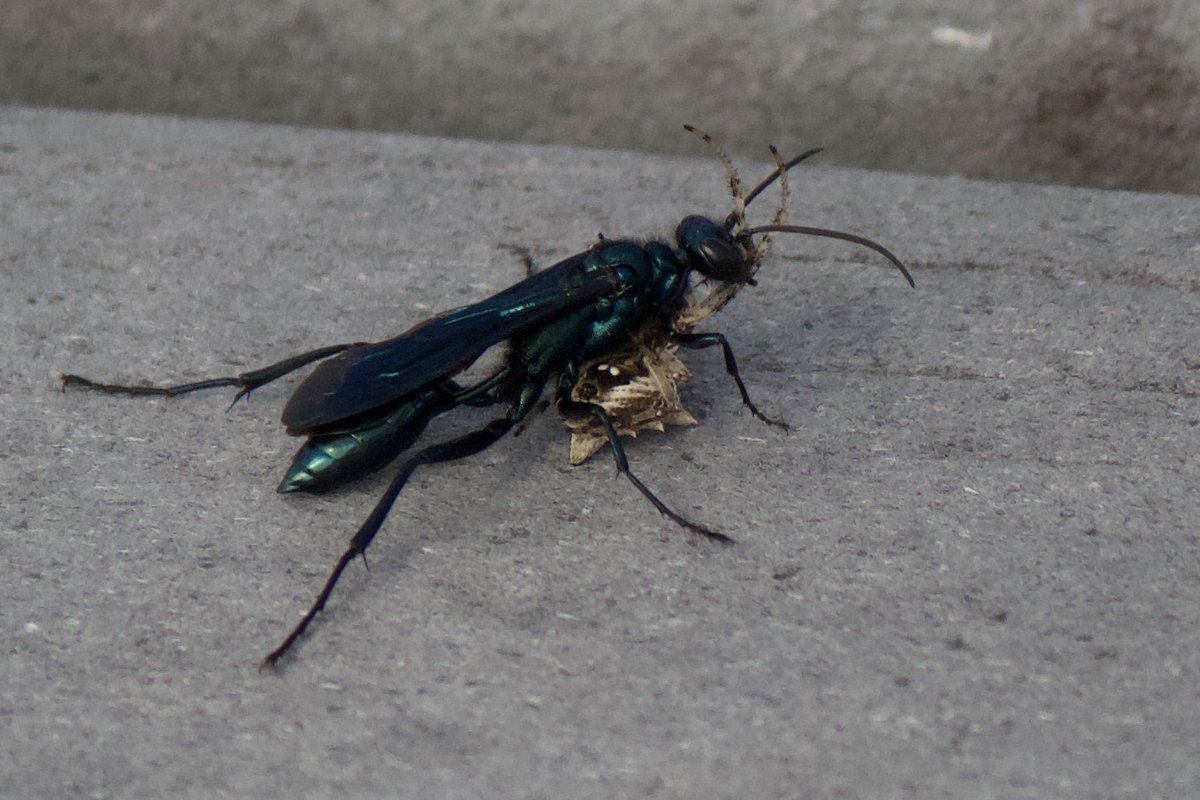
(971,571)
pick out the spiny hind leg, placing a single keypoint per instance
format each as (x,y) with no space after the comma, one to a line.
(461,447)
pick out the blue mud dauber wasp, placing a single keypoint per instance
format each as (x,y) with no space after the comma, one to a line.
(601,329)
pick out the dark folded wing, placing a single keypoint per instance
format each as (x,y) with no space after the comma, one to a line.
(367,377)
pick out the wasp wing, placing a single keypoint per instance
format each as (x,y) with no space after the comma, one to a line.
(364,378)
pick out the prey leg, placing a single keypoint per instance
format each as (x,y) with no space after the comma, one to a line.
(245,382)
(699,341)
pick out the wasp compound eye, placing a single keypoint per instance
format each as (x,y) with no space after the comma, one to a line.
(722,259)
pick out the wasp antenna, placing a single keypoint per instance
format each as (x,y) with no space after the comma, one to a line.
(780,170)
(737,217)
(845,237)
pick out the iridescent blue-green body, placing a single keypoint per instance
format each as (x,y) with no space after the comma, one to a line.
(651,279)
(640,282)
(328,460)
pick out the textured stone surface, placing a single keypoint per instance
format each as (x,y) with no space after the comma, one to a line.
(971,570)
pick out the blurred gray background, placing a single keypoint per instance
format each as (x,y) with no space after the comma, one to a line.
(1093,93)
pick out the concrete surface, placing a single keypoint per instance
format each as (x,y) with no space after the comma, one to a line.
(1102,93)
(972,571)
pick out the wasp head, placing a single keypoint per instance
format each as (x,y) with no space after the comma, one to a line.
(710,249)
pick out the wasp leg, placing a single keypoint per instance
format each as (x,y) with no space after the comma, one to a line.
(522,252)
(246,382)
(462,447)
(575,409)
(699,341)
